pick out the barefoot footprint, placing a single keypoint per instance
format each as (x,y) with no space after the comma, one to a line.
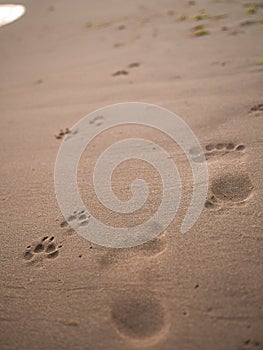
(44,248)
(230,187)
(214,149)
(139,317)
(222,149)
(150,249)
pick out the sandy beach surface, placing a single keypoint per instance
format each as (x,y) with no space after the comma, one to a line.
(203,61)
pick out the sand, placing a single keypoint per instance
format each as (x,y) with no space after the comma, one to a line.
(202,290)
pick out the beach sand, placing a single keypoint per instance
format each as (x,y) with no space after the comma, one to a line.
(203,61)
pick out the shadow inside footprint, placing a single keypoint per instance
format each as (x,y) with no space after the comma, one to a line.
(52,255)
(152,248)
(209,204)
(232,187)
(50,248)
(137,316)
(39,248)
(28,255)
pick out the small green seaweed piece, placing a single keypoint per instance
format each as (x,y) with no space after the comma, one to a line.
(182,18)
(88,24)
(200,16)
(251,11)
(201,32)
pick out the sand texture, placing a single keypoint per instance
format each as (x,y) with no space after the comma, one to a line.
(202,60)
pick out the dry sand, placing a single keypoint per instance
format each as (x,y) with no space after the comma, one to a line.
(63,60)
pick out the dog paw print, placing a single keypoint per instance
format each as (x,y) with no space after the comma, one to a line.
(257,110)
(81,217)
(68,133)
(97,121)
(62,133)
(44,248)
(258,107)
(250,344)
